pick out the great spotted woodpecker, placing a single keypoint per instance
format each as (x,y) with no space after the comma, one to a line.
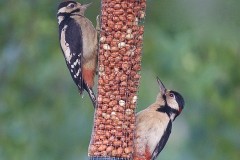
(78,41)
(154,124)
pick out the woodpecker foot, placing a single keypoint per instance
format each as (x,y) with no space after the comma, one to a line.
(98,24)
(98,28)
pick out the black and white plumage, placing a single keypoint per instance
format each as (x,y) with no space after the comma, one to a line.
(154,124)
(78,41)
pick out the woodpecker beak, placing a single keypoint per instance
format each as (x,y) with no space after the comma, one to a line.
(162,87)
(87,5)
(83,8)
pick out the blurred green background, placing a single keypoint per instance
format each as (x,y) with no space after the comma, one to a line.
(192,45)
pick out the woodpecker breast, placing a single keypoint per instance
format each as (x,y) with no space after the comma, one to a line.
(150,127)
(89,36)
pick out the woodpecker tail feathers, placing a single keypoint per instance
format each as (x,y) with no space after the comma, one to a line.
(91,94)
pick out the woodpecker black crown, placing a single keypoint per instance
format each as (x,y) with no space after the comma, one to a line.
(65,3)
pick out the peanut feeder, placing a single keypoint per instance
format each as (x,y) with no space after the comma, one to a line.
(119,63)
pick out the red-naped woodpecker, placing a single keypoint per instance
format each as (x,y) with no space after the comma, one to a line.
(78,41)
(154,124)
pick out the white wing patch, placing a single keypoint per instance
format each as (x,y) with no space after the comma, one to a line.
(78,72)
(75,63)
(65,45)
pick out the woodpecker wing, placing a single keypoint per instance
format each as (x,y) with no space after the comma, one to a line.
(71,44)
(162,141)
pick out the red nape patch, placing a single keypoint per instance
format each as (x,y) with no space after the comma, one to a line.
(88,77)
(180,110)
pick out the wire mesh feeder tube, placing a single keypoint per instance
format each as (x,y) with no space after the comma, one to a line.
(119,63)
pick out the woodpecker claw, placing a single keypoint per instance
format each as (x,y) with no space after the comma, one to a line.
(98,28)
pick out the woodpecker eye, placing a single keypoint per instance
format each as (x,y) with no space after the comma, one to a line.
(71,5)
(171,95)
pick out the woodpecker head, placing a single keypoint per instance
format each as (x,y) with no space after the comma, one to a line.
(68,8)
(173,101)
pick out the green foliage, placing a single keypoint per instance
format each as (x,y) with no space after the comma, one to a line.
(193,46)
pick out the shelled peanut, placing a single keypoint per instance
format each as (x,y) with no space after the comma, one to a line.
(120,48)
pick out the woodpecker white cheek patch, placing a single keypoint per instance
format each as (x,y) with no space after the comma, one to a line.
(60,19)
(62,10)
